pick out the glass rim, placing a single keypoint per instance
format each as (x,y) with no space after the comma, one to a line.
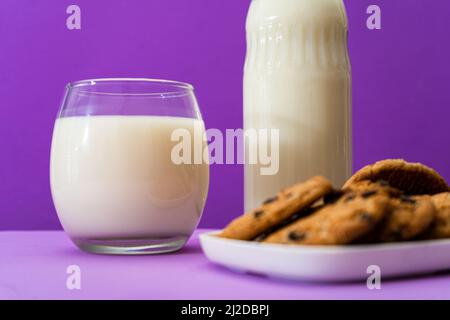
(183,87)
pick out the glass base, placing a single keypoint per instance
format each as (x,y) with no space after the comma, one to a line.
(138,246)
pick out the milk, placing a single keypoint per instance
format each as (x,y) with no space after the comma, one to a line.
(112,177)
(297,80)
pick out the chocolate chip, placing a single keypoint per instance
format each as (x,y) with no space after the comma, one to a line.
(383,183)
(296,236)
(270,200)
(365,216)
(407,199)
(350,197)
(369,193)
(258,213)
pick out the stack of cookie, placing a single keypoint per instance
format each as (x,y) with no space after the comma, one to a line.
(391,200)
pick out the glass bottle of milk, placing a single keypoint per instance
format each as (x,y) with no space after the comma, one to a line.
(297,79)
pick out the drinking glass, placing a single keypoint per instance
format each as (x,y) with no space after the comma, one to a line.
(124,170)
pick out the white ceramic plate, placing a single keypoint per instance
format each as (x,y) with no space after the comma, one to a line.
(327,263)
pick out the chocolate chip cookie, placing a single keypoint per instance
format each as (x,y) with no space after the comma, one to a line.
(352,216)
(276,210)
(408,218)
(411,178)
(440,228)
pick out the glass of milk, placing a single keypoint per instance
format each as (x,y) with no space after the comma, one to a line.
(126,170)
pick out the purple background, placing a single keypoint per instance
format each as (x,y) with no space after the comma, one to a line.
(401,91)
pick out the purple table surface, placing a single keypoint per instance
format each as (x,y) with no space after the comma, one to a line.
(33,266)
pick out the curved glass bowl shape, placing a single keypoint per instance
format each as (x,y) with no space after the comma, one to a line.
(122,170)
